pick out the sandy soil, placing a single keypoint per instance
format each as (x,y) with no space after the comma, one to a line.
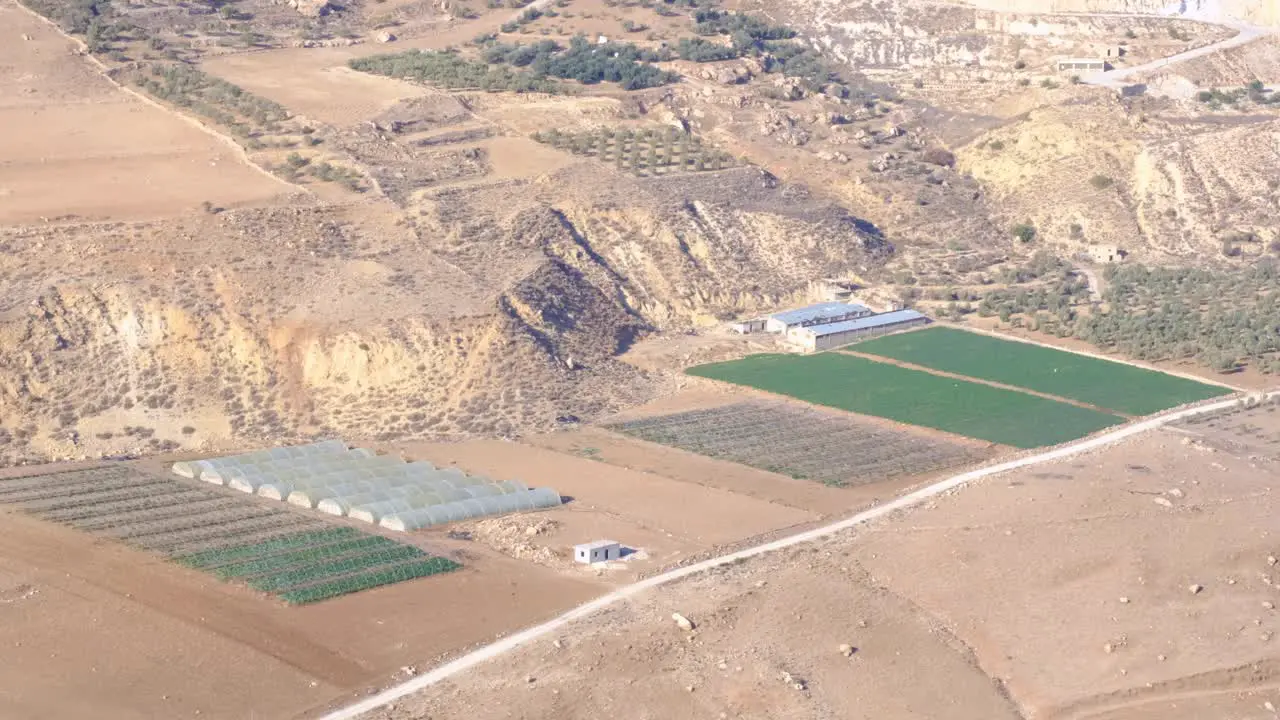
(687,467)
(633,454)
(693,517)
(156,640)
(316,82)
(1253,432)
(1132,583)
(285,661)
(333,94)
(75,144)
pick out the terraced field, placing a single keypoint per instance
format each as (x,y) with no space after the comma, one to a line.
(864,386)
(801,442)
(297,558)
(1101,383)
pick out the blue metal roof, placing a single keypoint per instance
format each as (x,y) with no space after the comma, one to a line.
(875,321)
(818,312)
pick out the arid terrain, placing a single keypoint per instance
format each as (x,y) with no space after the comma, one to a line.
(495,236)
(1135,582)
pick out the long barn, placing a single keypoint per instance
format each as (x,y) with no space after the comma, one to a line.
(832,335)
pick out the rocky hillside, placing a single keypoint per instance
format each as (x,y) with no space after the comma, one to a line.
(498,313)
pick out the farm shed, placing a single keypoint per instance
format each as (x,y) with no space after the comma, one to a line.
(825,337)
(598,551)
(746,327)
(1106,253)
(819,314)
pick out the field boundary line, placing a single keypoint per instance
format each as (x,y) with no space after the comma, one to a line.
(523,637)
(235,147)
(1096,356)
(981,381)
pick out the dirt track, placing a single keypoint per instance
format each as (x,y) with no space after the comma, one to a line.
(513,642)
(1048,591)
(77,145)
(141,637)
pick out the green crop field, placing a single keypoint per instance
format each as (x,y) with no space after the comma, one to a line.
(296,558)
(864,386)
(1105,384)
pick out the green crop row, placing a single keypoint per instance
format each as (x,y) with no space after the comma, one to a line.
(221,556)
(858,385)
(371,579)
(333,568)
(1102,383)
(300,558)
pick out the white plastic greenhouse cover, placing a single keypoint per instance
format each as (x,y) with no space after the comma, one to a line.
(194,468)
(452,512)
(363,485)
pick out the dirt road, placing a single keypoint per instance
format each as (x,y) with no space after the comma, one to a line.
(514,641)
(1122,76)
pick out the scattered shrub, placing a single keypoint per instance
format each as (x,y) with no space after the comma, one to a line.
(1026,232)
(939,156)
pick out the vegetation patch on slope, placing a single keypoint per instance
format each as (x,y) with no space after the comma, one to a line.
(642,151)
(750,35)
(1106,384)
(1219,319)
(450,70)
(864,386)
(527,68)
(628,65)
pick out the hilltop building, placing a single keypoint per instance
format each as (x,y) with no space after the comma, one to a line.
(1106,253)
(1086,64)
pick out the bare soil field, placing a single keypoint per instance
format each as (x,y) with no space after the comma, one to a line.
(155,639)
(1253,432)
(1135,582)
(446,286)
(327,91)
(693,518)
(614,449)
(77,145)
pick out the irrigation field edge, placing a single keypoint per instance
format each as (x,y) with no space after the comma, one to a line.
(1093,355)
(903,502)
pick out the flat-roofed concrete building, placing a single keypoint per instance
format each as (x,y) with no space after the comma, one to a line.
(598,551)
(1106,253)
(1086,64)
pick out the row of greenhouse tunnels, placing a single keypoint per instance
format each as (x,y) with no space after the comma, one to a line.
(359,484)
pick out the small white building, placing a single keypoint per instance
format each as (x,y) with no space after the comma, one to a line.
(598,551)
(1106,253)
(1088,64)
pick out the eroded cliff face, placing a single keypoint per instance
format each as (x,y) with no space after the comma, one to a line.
(249,331)
(1260,12)
(1166,191)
